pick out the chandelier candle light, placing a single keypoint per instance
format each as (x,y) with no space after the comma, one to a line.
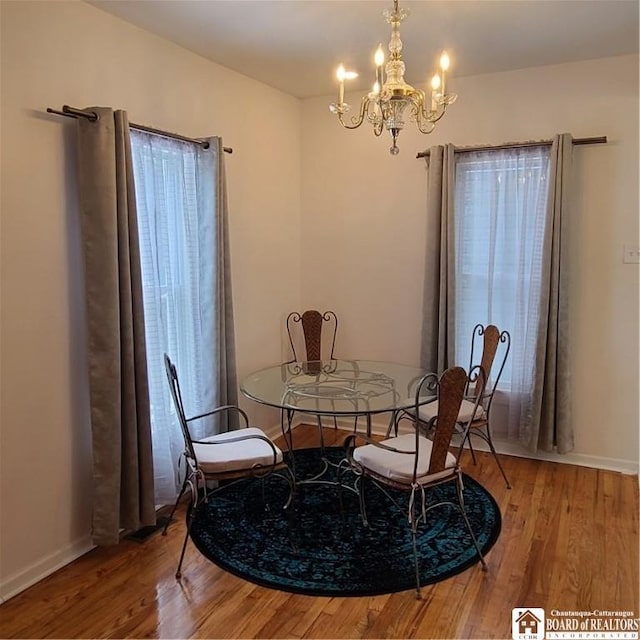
(384,107)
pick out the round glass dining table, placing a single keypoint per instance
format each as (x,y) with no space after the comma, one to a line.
(335,387)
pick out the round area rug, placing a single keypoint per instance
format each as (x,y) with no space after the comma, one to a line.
(315,550)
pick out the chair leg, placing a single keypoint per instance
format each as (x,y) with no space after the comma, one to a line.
(397,418)
(396,422)
(321,436)
(363,507)
(415,561)
(194,505)
(291,481)
(497,459)
(286,417)
(339,473)
(289,507)
(184,547)
(392,424)
(473,454)
(413,523)
(175,506)
(467,523)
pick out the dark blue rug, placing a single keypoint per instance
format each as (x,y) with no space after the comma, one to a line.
(314,550)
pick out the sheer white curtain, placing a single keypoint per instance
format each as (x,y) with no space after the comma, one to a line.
(499,230)
(175,188)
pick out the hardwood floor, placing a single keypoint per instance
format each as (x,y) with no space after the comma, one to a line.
(569,541)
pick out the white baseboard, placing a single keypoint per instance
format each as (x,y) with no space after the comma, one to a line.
(379,427)
(14,584)
(504,447)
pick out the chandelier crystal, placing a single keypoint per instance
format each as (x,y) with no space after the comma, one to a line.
(390,103)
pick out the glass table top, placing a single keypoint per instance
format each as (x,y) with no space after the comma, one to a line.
(339,387)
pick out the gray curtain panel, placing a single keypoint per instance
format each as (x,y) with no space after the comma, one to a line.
(225,356)
(550,413)
(437,348)
(120,416)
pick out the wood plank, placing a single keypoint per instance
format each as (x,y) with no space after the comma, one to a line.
(569,541)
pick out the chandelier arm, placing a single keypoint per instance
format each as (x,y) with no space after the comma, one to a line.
(434,120)
(426,120)
(356,120)
(429,127)
(429,118)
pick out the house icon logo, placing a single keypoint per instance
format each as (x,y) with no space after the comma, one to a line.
(527,624)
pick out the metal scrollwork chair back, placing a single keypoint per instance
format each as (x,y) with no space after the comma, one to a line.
(312,348)
(416,463)
(312,323)
(231,455)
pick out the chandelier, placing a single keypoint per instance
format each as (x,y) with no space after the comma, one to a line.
(385,106)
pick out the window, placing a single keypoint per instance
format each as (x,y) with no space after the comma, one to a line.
(177,239)
(499,229)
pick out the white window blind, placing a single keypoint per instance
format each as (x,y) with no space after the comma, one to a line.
(499,227)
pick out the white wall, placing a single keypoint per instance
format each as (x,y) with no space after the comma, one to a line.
(364,234)
(68,52)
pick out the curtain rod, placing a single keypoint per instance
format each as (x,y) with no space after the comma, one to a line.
(520,145)
(72,112)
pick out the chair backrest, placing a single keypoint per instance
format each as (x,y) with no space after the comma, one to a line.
(450,388)
(312,322)
(494,343)
(174,387)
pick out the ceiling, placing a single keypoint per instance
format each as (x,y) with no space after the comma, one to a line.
(296,45)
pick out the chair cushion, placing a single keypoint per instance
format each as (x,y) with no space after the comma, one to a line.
(428,411)
(399,466)
(235,456)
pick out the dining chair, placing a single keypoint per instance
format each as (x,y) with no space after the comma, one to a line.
(489,349)
(415,463)
(230,456)
(312,337)
(312,323)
